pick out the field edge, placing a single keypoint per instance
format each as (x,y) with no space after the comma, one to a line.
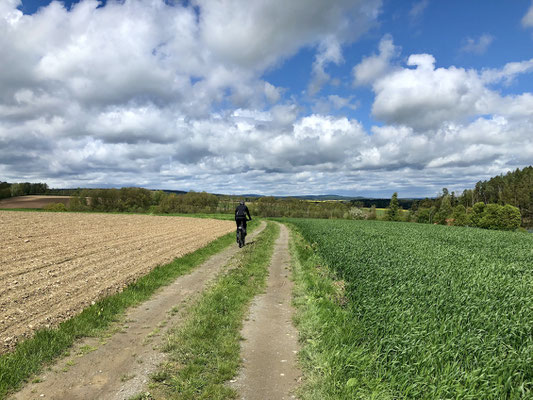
(47,345)
(333,367)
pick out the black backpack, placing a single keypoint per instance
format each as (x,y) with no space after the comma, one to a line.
(241,211)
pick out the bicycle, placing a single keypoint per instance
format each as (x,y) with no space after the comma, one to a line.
(241,234)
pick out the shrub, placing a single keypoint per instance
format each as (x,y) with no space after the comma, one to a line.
(373,213)
(459,216)
(355,213)
(476,214)
(55,207)
(78,203)
(510,217)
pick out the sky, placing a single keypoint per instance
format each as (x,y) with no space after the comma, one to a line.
(274,97)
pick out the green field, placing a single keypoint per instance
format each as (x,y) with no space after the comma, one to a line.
(429,311)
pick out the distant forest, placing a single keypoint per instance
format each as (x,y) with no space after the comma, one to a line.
(514,189)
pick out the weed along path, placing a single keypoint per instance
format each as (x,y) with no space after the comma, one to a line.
(119,366)
(270,340)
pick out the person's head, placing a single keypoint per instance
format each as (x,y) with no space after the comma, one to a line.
(242,203)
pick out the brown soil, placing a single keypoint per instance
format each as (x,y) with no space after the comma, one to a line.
(120,367)
(270,340)
(33,201)
(52,265)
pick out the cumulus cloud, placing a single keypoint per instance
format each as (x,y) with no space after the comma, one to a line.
(146,93)
(426,97)
(151,84)
(259,34)
(478,46)
(376,66)
(329,52)
(508,72)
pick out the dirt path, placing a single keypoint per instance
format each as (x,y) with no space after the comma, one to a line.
(120,368)
(271,341)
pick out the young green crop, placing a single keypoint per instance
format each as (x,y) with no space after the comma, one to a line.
(435,312)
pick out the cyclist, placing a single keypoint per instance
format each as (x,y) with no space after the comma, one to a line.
(240,216)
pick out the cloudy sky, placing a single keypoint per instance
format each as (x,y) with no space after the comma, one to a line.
(353,97)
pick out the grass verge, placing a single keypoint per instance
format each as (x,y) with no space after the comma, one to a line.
(328,355)
(205,352)
(48,344)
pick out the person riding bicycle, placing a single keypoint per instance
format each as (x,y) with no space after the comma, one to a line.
(240,215)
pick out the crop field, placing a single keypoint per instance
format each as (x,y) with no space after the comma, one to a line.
(33,201)
(435,311)
(52,265)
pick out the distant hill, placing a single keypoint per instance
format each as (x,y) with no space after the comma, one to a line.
(323,197)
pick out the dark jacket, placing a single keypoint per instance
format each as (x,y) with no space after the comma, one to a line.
(241,211)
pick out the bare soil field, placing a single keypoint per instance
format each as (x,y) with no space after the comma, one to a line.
(33,201)
(52,265)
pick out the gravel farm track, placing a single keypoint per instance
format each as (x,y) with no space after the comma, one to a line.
(52,265)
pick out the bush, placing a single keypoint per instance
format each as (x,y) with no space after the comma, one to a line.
(55,207)
(425,215)
(459,216)
(476,214)
(491,217)
(373,213)
(510,217)
(495,216)
(78,203)
(355,213)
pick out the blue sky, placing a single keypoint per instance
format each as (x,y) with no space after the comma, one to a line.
(355,97)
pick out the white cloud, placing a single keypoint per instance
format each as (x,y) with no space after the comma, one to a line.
(527,20)
(376,66)
(418,9)
(425,97)
(143,93)
(259,34)
(329,51)
(478,46)
(508,72)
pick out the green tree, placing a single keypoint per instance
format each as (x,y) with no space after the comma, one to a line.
(423,215)
(373,213)
(17,189)
(445,210)
(477,213)
(510,217)
(78,203)
(394,210)
(459,216)
(491,217)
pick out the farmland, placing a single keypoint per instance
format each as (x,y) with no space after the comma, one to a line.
(33,201)
(55,264)
(426,311)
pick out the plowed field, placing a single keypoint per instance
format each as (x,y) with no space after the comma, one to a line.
(52,265)
(33,201)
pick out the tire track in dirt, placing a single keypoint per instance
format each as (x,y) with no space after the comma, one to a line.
(270,345)
(120,368)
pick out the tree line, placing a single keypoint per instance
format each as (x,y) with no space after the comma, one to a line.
(21,189)
(445,211)
(503,202)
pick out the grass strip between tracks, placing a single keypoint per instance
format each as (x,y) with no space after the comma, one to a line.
(205,351)
(328,356)
(48,344)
